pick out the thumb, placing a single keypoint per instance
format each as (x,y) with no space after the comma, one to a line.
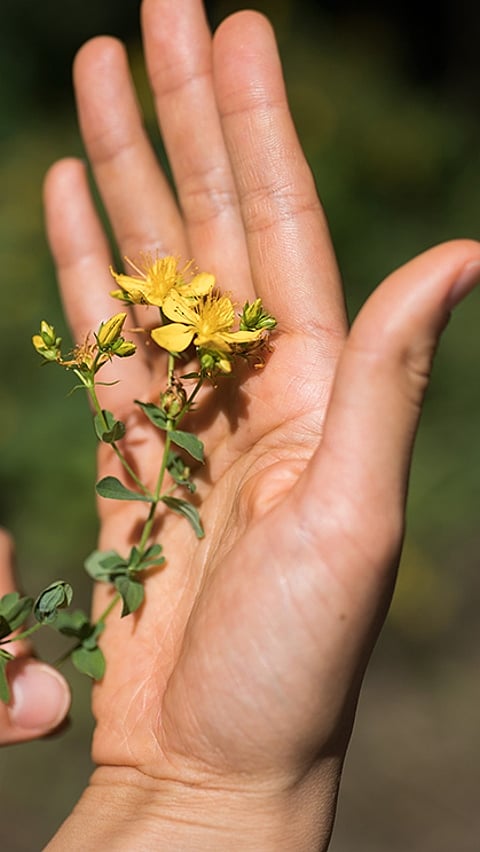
(363,462)
(40,699)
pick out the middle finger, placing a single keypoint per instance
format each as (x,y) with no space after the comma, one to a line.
(178,48)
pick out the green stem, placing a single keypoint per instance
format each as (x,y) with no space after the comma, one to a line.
(166,449)
(23,634)
(186,408)
(106,612)
(103,617)
(99,410)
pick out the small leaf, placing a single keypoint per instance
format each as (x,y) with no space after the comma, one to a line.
(188,442)
(132,593)
(89,662)
(114,431)
(56,596)
(75,623)
(140,562)
(104,565)
(90,642)
(13,612)
(155,414)
(5,657)
(111,488)
(4,627)
(152,553)
(179,471)
(194,375)
(182,507)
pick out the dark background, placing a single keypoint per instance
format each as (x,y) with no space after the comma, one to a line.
(385,97)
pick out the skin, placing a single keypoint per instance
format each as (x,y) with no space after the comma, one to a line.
(224,716)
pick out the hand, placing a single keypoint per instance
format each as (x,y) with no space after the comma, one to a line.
(40,697)
(227,706)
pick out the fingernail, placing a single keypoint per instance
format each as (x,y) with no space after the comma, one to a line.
(468,278)
(40,696)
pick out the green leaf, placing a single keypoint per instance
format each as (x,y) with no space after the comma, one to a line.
(76,623)
(182,507)
(90,642)
(139,562)
(188,442)
(111,488)
(5,657)
(179,471)
(56,596)
(132,593)
(104,565)
(14,609)
(114,431)
(152,552)
(194,375)
(155,414)
(89,661)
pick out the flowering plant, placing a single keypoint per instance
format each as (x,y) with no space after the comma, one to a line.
(194,319)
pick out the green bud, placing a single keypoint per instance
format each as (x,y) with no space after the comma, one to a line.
(173,400)
(255,318)
(46,342)
(47,333)
(214,362)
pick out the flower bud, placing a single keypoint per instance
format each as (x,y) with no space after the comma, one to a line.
(46,352)
(47,333)
(124,348)
(46,342)
(214,362)
(109,331)
(173,400)
(255,318)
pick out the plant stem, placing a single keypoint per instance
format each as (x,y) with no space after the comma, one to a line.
(99,410)
(23,634)
(108,609)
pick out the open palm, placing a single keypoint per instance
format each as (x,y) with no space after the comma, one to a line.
(248,654)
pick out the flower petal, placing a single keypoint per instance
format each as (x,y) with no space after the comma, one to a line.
(179,309)
(242,336)
(200,285)
(174,337)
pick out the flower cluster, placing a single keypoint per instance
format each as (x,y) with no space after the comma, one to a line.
(193,312)
(87,358)
(194,318)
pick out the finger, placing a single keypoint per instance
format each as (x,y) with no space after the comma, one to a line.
(180,70)
(8,583)
(39,696)
(81,255)
(361,468)
(7,579)
(292,259)
(39,703)
(135,192)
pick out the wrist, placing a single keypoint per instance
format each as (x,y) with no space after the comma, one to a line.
(125,811)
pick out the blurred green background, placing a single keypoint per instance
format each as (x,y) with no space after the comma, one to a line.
(386,104)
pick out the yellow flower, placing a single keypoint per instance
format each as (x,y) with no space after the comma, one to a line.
(206,322)
(156,278)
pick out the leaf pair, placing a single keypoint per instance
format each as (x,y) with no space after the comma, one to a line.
(109,567)
(87,657)
(186,440)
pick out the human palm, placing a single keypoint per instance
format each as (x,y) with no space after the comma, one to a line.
(248,653)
